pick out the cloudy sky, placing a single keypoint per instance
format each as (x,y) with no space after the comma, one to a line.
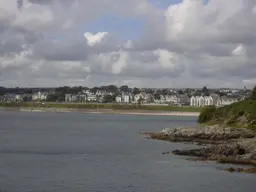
(142,43)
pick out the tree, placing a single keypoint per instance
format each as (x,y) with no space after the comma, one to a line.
(112,88)
(94,89)
(2,90)
(204,89)
(220,93)
(206,114)
(150,91)
(109,98)
(140,100)
(164,91)
(124,88)
(52,98)
(157,96)
(180,92)
(109,88)
(136,91)
(253,96)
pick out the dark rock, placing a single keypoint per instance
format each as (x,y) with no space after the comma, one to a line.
(239,170)
(227,144)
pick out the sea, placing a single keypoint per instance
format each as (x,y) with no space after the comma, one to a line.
(74,152)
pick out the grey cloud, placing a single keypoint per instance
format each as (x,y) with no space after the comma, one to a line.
(19,4)
(10,46)
(200,54)
(59,51)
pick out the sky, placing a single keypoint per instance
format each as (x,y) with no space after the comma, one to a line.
(139,43)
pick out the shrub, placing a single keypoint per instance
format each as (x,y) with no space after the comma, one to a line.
(207,114)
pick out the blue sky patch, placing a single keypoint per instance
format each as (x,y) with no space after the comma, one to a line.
(125,28)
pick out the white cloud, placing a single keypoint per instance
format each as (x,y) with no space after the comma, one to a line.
(192,20)
(240,50)
(93,39)
(188,44)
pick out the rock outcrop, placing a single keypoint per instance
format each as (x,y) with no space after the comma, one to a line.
(228,145)
(208,133)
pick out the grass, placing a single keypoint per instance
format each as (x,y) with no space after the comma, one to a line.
(103,106)
(240,114)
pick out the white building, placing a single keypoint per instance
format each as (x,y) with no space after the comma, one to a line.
(193,101)
(126,98)
(18,97)
(119,99)
(211,100)
(201,101)
(208,100)
(68,98)
(174,99)
(226,101)
(91,97)
(39,96)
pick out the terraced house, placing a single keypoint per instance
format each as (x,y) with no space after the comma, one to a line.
(200,101)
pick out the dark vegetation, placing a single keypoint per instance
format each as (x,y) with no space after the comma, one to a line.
(239,170)
(240,114)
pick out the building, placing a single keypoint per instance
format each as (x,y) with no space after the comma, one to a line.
(174,100)
(193,101)
(208,100)
(18,97)
(184,100)
(68,98)
(222,101)
(81,98)
(201,101)
(149,98)
(91,97)
(39,96)
(126,98)
(119,99)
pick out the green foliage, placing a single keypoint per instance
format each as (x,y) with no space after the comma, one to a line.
(136,91)
(239,114)
(52,97)
(109,98)
(68,90)
(206,114)
(157,96)
(124,88)
(253,96)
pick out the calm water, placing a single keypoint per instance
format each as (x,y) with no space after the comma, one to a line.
(69,152)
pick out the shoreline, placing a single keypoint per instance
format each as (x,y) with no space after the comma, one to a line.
(224,145)
(102,111)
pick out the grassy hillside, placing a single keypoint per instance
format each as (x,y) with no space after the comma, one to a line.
(239,114)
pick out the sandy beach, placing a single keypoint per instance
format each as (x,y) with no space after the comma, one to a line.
(104,111)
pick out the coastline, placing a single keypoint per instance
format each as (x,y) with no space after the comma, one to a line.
(102,111)
(224,145)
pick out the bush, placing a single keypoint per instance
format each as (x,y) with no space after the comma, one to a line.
(253,96)
(239,114)
(207,114)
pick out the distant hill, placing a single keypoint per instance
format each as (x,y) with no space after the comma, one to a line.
(239,114)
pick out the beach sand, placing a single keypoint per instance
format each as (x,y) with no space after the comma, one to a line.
(105,111)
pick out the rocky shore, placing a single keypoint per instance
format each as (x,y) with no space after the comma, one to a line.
(222,144)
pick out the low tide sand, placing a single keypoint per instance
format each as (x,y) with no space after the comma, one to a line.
(106,111)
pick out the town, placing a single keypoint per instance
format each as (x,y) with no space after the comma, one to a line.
(196,97)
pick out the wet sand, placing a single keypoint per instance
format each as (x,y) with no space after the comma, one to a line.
(105,111)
